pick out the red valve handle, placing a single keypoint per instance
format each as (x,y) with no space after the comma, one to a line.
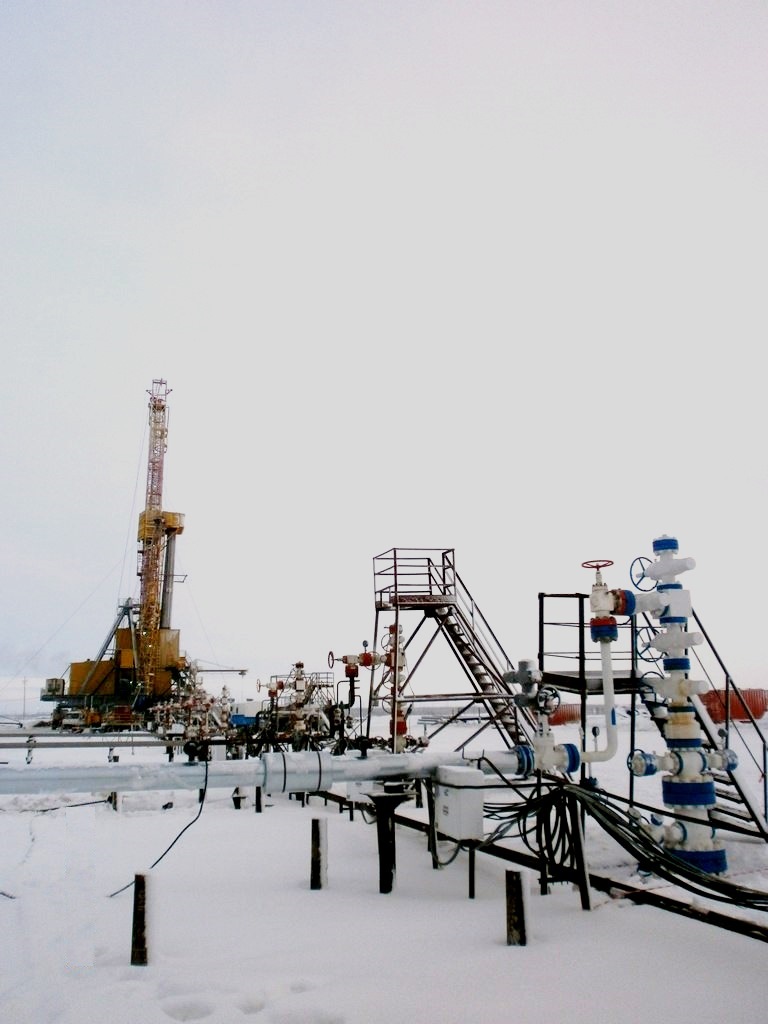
(597,563)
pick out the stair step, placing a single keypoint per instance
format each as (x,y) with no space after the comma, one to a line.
(728,794)
(733,812)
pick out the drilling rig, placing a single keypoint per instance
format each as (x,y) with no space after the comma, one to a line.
(158,644)
(144,665)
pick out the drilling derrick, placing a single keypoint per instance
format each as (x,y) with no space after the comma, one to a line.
(156,536)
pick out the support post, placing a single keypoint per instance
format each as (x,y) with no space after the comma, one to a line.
(139,932)
(386,804)
(472,849)
(432,833)
(257,800)
(516,932)
(578,857)
(318,875)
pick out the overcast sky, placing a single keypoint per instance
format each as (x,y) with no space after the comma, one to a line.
(487,276)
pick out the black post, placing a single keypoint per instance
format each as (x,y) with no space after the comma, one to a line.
(419,801)
(579,859)
(516,935)
(385,804)
(257,801)
(471,871)
(317,875)
(432,834)
(139,933)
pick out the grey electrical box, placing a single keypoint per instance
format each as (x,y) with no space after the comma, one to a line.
(459,796)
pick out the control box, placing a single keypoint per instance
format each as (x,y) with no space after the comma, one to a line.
(459,797)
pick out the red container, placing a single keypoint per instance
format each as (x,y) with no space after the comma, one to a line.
(755,700)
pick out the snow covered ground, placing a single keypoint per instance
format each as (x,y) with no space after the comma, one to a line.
(234,931)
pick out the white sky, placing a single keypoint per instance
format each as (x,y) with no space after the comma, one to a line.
(483,275)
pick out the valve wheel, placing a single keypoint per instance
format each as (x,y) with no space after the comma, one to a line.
(637,574)
(330,659)
(597,563)
(643,644)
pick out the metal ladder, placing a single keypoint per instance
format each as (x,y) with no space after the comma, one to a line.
(425,580)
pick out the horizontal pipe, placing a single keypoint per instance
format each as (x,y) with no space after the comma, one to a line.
(35,743)
(305,771)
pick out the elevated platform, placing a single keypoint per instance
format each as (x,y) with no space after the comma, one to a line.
(591,682)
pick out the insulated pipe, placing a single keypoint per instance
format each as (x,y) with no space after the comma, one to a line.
(292,772)
(603,630)
(612,736)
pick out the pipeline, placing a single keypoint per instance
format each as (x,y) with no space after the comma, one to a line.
(277,772)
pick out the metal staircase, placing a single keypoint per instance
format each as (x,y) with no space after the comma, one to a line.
(426,581)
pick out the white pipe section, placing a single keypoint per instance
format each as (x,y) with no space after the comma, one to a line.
(306,771)
(291,772)
(612,734)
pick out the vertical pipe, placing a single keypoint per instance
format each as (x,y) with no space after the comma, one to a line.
(168,576)
(372,671)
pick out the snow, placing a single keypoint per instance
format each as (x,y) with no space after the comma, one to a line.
(234,931)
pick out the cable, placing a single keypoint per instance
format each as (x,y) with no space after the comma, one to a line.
(178,837)
(47,810)
(444,863)
(628,833)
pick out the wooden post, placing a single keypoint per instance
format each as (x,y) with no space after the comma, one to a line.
(516,935)
(257,801)
(139,933)
(318,876)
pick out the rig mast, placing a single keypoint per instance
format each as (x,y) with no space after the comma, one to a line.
(157,540)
